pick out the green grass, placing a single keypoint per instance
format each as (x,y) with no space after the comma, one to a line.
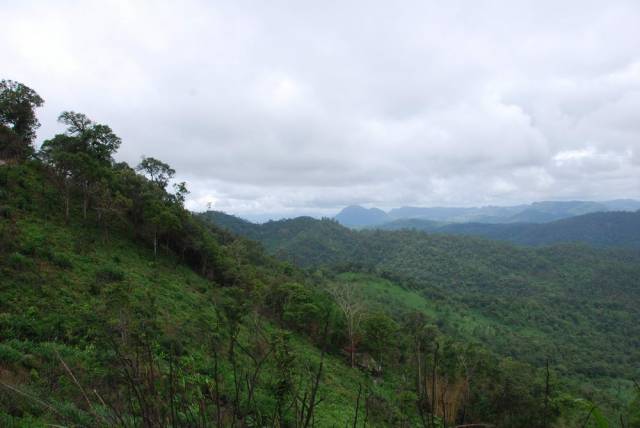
(62,274)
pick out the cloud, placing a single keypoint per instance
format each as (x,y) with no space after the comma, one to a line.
(289,108)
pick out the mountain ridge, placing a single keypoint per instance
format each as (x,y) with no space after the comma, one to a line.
(536,212)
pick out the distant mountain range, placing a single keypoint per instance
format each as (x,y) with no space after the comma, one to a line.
(600,229)
(537,212)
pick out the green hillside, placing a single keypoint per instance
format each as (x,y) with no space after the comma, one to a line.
(571,304)
(82,312)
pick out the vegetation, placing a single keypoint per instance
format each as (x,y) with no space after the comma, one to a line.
(571,305)
(18,121)
(602,229)
(118,307)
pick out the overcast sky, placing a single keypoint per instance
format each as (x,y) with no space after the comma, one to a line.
(290,107)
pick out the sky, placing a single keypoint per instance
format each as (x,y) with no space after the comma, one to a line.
(282,108)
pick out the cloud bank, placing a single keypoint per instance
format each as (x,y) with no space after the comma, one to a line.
(285,108)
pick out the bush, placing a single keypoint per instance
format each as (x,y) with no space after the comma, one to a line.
(8,355)
(19,261)
(61,260)
(109,274)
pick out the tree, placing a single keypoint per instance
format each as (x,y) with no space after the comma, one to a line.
(18,121)
(156,170)
(62,154)
(81,156)
(379,331)
(353,309)
(96,140)
(634,409)
(181,192)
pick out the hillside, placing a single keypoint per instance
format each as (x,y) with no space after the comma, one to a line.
(100,329)
(573,304)
(82,311)
(602,229)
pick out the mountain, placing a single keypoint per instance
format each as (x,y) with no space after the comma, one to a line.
(622,205)
(519,301)
(542,212)
(601,229)
(357,216)
(537,212)
(230,222)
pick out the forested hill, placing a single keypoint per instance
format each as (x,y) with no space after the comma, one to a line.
(304,241)
(574,303)
(601,229)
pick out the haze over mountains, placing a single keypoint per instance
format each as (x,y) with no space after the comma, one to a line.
(537,212)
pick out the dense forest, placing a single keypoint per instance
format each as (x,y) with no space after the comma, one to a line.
(602,229)
(119,307)
(571,303)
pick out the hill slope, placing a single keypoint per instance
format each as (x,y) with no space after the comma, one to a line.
(574,304)
(110,324)
(82,310)
(603,229)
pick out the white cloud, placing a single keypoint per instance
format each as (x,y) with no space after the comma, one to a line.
(292,107)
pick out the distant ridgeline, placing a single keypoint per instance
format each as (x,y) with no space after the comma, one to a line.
(538,212)
(598,229)
(604,228)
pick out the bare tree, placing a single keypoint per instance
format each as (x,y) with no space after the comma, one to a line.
(353,308)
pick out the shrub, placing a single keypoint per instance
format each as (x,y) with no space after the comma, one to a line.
(61,260)
(109,274)
(19,261)
(8,355)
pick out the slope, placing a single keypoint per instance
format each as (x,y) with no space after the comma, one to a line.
(82,311)
(573,304)
(602,229)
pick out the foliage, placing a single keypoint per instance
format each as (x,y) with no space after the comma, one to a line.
(571,303)
(601,229)
(18,121)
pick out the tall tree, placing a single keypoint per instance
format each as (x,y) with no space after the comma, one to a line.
(18,121)
(82,156)
(353,308)
(156,170)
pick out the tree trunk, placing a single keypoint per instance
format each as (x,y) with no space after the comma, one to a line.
(433,385)
(85,199)
(353,355)
(352,350)
(66,206)
(546,397)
